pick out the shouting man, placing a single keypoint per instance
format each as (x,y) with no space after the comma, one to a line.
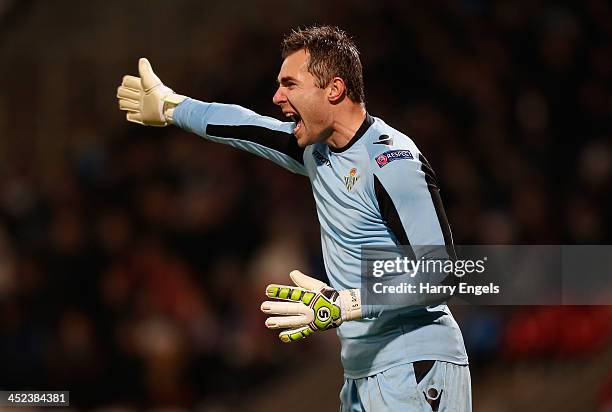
(372,187)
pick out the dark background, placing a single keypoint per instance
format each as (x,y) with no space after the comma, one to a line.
(133,260)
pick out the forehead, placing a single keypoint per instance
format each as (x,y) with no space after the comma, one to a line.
(294,65)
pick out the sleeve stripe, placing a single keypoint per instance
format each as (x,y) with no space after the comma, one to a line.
(274,139)
(434,192)
(389,214)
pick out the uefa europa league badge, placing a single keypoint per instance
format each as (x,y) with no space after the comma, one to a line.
(351,179)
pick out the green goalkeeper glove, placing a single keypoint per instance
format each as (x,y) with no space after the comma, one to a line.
(311,307)
(146,99)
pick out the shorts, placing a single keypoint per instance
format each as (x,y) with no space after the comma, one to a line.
(422,386)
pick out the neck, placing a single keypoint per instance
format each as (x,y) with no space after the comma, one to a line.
(346,122)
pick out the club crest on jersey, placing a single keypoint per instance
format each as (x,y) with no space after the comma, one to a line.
(387,157)
(320,160)
(351,179)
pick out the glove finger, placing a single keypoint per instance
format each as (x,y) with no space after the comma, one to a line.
(125,93)
(289,293)
(285,308)
(130,105)
(131,82)
(305,281)
(149,79)
(134,117)
(293,335)
(278,322)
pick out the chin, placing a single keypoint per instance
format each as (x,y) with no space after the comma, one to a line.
(302,141)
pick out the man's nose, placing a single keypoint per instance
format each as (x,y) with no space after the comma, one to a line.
(279,97)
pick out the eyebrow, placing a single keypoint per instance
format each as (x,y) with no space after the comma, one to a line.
(286,79)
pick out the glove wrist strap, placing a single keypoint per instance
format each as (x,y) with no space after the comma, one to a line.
(170,102)
(350,303)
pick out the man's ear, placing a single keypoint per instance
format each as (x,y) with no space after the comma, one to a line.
(337,90)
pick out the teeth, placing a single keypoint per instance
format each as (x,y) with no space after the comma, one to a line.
(293,116)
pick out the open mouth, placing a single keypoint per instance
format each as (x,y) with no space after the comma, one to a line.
(295,118)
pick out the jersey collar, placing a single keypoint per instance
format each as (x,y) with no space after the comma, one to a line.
(367,122)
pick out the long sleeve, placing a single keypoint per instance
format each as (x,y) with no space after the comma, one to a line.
(243,129)
(409,202)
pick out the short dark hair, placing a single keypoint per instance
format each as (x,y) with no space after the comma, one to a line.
(332,53)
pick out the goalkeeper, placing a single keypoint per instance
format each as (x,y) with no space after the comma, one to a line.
(372,187)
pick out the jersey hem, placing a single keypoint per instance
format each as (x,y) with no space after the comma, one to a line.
(373,371)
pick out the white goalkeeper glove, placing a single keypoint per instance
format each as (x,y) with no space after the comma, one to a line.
(146,99)
(311,307)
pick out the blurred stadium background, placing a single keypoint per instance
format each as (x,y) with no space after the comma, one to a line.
(123,249)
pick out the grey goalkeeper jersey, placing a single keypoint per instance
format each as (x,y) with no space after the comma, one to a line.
(377,191)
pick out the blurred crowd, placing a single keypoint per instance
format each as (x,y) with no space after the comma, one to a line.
(133,264)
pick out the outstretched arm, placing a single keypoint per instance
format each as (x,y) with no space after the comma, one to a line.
(149,102)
